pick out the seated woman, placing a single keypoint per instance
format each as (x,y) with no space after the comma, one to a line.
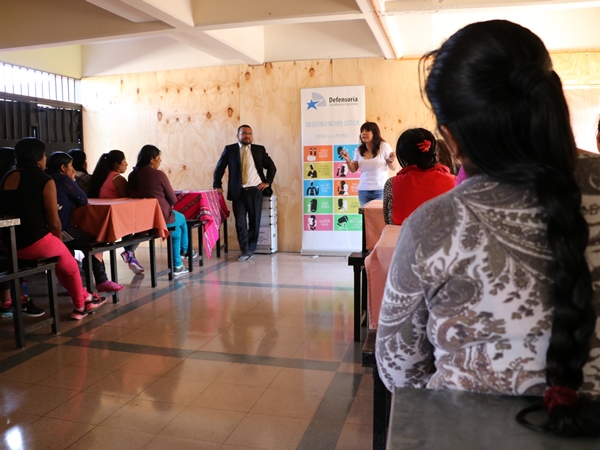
(82,177)
(421,178)
(446,158)
(146,181)
(29,194)
(108,182)
(69,195)
(7,163)
(493,286)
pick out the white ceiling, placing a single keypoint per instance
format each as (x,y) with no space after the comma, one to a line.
(124,36)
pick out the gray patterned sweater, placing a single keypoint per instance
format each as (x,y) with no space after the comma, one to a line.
(465,303)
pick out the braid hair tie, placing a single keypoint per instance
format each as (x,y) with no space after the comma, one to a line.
(560,396)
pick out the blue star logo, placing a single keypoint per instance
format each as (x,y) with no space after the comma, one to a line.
(316,99)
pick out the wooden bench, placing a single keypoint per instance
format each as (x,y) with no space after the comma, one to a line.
(382,398)
(26,269)
(90,248)
(13,270)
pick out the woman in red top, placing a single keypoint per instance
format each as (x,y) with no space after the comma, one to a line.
(422,177)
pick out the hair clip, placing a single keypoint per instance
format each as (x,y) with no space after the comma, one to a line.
(424,146)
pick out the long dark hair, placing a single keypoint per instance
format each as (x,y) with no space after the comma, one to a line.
(492,85)
(147,153)
(417,146)
(56,160)
(28,152)
(377,140)
(105,165)
(79,159)
(445,157)
(7,160)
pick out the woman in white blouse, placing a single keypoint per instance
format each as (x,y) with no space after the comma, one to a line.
(373,157)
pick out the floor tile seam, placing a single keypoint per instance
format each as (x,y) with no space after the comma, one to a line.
(268,361)
(278,286)
(343,404)
(24,356)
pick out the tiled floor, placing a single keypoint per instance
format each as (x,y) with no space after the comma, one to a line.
(236,355)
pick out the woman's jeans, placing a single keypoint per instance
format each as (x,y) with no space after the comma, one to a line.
(365,197)
(179,233)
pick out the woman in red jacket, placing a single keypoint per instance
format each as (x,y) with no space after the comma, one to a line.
(422,177)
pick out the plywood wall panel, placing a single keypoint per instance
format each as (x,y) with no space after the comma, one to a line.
(197,109)
(270,104)
(192,114)
(119,113)
(577,69)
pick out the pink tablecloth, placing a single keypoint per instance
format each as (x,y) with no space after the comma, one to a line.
(374,223)
(111,219)
(377,265)
(207,206)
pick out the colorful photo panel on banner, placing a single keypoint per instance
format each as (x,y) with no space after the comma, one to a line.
(318,188)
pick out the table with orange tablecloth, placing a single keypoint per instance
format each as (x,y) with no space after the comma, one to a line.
(209,208)
(373,222)
(108,220)
(377,265)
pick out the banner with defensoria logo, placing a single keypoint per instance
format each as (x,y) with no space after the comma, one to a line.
(331,120)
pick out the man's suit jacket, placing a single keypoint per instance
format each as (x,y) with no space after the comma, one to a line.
(231,158)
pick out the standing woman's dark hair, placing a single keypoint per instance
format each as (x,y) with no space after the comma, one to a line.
(500,104)
(7,160)
(417,146)
(373,128)
(106,164)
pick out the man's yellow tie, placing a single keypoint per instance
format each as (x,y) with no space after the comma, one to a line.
(244,164)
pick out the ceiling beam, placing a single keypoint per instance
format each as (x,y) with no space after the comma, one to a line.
(372,14)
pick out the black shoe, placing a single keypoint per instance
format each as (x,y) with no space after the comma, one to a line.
(29,309)
(185,254)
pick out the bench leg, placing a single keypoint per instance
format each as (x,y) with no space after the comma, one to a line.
(381,411)
(201,245)
(357,305)
(364,299)
(15,292)
(170,264)
(87,268)
(113,273)
(225,238)
(52,299)
(190,249)
(152,263)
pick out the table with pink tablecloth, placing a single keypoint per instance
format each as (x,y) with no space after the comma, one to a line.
(110,219)
(377,265)
(206,206)
(374,223)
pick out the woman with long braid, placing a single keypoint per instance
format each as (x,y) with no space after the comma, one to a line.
(491,288)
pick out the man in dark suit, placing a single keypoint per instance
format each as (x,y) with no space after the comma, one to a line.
(246,187)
